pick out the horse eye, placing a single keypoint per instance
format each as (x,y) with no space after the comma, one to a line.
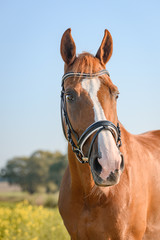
(117,96)
(69,97)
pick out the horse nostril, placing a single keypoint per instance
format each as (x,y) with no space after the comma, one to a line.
(113,176)
(122,162)
(97,167)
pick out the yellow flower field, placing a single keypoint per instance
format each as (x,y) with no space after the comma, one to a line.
(27,222)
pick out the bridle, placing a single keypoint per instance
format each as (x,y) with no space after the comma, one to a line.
(95,128)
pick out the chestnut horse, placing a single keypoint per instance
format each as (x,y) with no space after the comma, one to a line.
(115,194)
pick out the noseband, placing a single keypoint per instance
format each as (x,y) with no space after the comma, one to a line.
(94,128)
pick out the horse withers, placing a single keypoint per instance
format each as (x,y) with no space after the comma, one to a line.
(111,188)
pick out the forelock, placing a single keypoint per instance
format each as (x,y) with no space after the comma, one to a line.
(85,63)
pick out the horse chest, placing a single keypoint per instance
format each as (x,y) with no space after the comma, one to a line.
(93,223)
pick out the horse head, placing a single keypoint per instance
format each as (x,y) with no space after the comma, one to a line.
(89,110)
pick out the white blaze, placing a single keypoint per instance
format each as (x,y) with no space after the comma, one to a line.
(92,86)
(106,143)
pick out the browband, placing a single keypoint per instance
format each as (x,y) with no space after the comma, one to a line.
(88,75)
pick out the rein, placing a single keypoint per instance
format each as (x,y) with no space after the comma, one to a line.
(96,127)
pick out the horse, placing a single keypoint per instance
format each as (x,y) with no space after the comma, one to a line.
(111,187)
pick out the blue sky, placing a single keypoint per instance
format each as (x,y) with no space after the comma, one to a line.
(31,66)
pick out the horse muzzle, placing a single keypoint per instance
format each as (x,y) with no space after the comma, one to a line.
(104,176)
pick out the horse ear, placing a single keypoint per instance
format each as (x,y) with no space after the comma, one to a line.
(68,47)
(105,50)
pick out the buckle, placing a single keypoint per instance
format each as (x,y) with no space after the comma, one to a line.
(80,156)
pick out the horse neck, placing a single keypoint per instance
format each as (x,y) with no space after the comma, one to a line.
(81,177)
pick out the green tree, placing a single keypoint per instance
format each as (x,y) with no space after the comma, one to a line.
(56,170)
(15,171)
(41,169)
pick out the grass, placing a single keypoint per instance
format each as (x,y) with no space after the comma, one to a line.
(26,216)
(48,200)
(12,193)
(24,221)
